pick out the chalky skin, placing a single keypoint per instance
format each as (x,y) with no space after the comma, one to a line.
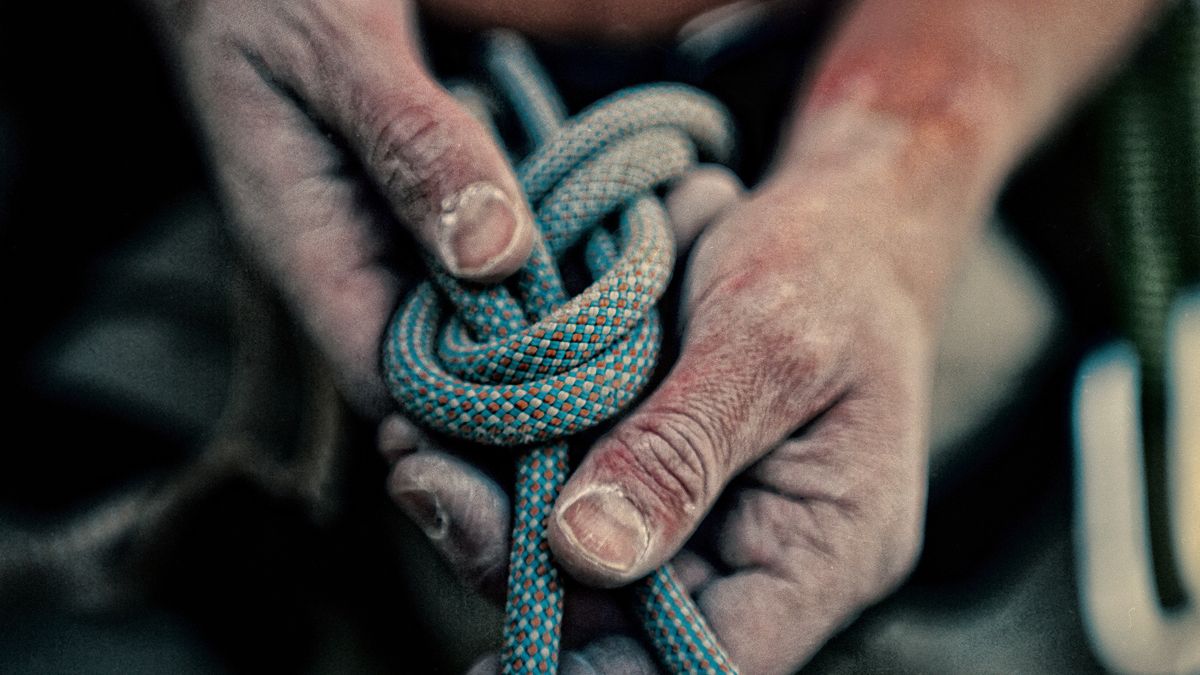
(810,303)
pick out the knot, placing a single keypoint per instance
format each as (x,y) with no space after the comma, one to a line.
(521,362)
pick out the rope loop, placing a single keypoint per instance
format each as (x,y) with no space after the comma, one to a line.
(491,366)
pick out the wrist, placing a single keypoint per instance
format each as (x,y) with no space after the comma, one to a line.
(938,159)
(948,101)
(915,194)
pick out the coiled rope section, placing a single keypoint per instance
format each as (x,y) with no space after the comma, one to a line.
(522,364)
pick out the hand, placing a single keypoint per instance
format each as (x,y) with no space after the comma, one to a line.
(793,424)
(797,409)
(328,138)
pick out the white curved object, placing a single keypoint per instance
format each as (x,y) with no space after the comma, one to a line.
(1130,631)
(1183,437)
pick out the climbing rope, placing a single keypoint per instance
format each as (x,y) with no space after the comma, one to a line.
(522,364)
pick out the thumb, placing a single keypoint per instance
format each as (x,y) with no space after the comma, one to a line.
(437,167)
(643,489)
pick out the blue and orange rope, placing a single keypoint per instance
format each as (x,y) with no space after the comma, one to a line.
(530,366)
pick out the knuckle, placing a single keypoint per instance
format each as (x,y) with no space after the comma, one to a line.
(873,552)
(795,344)
(792,357)
(675,456)
(410,147)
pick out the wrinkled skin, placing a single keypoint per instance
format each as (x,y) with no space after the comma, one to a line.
(334,150)
(794,422)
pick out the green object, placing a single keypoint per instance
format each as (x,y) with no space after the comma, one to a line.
(1151,183)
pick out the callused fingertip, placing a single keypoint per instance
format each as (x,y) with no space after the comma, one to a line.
(423,507)
(604,531)
(482,234)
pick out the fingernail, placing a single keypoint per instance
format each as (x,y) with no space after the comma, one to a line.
(423,508)
(607,528)
(479,227)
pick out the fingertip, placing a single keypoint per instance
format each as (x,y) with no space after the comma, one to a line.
(600,536)
(639,493)
(692,571)
(422,505)
(461,511)
(699,198)
(396,437)
(483,234)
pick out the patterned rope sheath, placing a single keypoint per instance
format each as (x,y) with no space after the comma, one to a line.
(521,364)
